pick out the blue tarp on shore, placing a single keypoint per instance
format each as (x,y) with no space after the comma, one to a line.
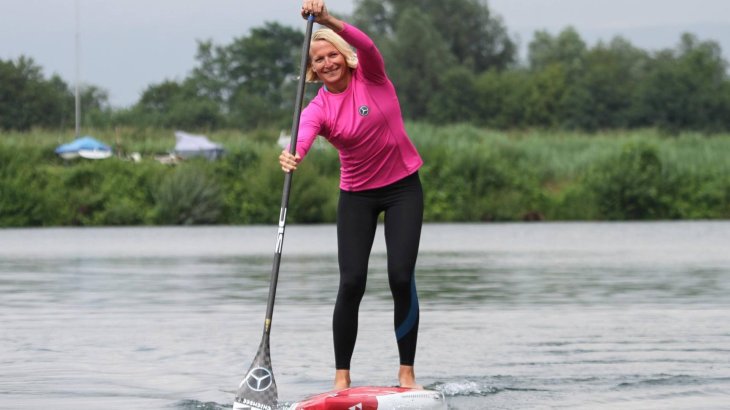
(87,147)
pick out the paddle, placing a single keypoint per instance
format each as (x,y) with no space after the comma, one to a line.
(257,390)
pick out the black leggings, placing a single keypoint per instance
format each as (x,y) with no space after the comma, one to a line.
(357,219)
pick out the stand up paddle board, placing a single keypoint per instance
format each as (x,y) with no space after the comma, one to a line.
(374,398)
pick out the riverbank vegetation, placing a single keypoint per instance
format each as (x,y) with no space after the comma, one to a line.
(470,174)
(576,131)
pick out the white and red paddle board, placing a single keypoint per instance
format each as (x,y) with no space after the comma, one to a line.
(374,398)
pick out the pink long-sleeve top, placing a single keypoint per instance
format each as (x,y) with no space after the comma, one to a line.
(363,122)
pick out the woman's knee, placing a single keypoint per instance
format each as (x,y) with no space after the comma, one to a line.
(400,278)
(352,288)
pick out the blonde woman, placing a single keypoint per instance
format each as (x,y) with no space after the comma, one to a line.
(358,112)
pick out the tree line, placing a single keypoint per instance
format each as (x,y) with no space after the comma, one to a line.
(452,61)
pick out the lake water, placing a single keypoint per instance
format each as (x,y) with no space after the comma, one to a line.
(513,316)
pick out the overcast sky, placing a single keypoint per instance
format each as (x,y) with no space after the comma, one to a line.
(127,45)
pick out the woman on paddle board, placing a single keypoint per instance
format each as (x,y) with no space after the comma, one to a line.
(358,112)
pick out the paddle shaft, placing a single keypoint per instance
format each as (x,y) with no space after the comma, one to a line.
(288,178)
(257,390)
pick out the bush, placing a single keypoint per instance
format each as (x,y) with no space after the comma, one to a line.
(188,196)
(632,185)
(469,174)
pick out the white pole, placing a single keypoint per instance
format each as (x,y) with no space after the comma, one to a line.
(78,102)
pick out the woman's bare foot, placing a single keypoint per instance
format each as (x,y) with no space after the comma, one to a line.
(407,378)
(342,379)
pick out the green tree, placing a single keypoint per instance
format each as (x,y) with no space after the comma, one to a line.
(567,48)
(501,97)
(95,108)
(545,97)
(428,43)
(557,62)
(416,77)
(474,36)
(27,99)
(603,94)
(687,88)
(176,105)
(253,78)
(456,98)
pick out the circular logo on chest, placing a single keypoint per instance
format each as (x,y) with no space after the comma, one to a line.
(363,110)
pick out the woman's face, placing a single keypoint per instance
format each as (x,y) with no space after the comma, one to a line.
(330,66)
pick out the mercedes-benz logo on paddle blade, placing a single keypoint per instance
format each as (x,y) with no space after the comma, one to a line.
(258,379)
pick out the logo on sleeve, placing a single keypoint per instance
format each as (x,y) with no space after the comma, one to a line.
(363,110)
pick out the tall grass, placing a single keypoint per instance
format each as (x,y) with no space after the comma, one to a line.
(470,174)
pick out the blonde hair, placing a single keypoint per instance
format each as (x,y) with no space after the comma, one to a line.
(328,35)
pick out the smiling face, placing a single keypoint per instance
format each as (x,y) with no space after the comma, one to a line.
(330,66)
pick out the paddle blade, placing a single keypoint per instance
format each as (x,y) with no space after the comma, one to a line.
(257,390)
